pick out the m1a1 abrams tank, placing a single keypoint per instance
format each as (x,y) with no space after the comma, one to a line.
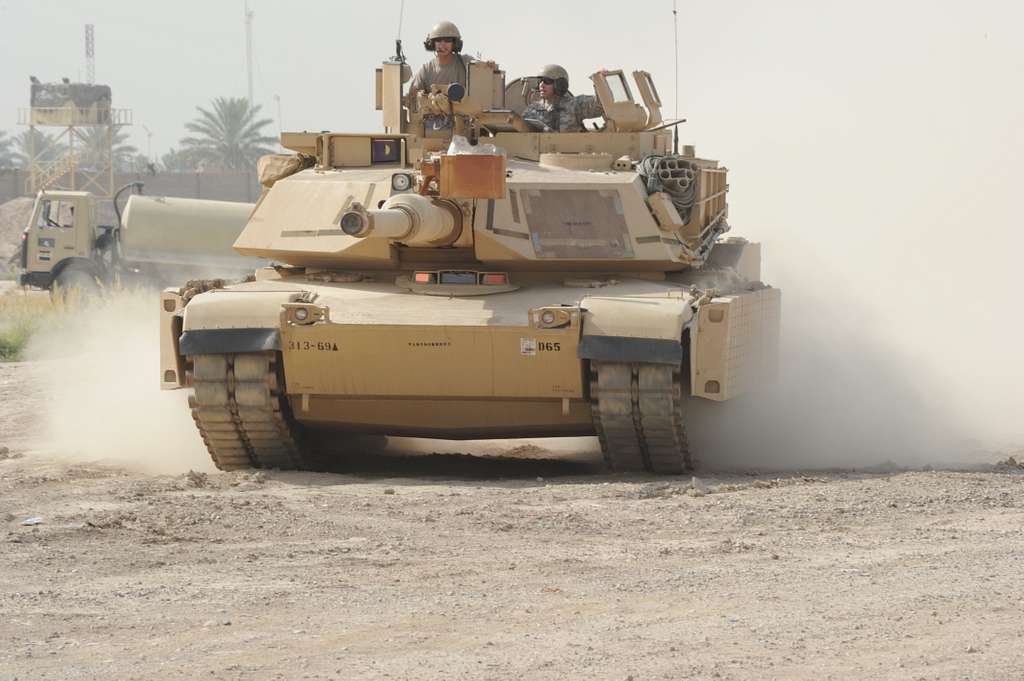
(461,276)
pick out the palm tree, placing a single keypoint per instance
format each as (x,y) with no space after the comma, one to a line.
(47,148)
(178,161)
(6,156)
(230,136)
(94,142)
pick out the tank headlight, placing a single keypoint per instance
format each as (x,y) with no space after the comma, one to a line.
(304,313)
(400,182)
(552,318)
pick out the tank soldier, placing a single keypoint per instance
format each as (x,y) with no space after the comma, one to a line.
(559,111)
(448,64)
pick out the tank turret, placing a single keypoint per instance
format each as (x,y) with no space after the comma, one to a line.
(464,275)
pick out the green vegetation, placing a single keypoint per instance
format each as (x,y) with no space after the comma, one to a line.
(20,316)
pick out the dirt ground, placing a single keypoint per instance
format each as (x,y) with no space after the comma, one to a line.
(455,567)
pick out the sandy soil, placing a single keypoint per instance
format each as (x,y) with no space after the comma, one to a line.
(455,567)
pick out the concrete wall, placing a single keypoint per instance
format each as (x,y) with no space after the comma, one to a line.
(223,186)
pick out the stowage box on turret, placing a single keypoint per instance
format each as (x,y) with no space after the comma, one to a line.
(461,275)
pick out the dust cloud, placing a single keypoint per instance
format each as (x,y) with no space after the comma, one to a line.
(844,399)
(898,341)
(100,368)
(885,189)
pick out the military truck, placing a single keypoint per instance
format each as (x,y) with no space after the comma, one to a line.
(460,275)
(67,245)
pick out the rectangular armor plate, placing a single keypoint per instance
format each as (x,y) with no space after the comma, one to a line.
(576,223)
(735,347)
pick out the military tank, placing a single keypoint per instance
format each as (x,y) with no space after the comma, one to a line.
(463,276)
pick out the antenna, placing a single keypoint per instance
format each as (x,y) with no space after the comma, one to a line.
(399,55)
(90,54)
(675,36)
(249,14)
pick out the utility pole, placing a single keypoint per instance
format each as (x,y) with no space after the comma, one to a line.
(249,14)
(90,54)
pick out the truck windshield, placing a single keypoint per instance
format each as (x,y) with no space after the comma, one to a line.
(56,214)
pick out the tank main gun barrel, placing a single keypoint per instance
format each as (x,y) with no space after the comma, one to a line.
(411,219)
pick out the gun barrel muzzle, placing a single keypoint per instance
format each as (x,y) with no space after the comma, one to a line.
(410,219)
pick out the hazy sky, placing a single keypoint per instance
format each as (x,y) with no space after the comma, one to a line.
(874,146)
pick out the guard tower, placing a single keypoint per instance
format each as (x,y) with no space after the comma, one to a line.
(79,157)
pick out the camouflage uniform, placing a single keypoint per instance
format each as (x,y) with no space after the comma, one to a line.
(564,114)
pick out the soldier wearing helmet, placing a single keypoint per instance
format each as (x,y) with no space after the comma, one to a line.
(557,110)
(447,66)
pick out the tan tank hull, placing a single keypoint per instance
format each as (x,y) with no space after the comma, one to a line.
(375,357)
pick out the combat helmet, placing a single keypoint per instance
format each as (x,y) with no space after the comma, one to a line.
(559,75)
(444,29)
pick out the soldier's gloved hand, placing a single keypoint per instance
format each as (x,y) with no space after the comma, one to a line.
(537,124)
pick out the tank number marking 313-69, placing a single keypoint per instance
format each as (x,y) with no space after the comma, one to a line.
(315,346)
(531,346)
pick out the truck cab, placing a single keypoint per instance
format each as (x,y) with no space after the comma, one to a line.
(61,234)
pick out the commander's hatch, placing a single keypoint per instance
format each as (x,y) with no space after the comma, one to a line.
(649,93)
(621,112)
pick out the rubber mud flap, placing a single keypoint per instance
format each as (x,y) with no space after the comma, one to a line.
(221,341)
(623,349)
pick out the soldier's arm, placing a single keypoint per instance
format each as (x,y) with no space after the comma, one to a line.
(417,83)
(588,106)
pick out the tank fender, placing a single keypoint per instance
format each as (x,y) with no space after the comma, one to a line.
(634,328)
(223,321)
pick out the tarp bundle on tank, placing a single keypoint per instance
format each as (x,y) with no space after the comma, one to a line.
(274,167)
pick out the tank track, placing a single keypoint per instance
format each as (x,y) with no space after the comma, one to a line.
(638,415)
(241,412)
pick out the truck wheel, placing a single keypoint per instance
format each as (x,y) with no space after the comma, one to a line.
(74,284)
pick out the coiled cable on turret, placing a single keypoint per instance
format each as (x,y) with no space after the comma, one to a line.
(673,175)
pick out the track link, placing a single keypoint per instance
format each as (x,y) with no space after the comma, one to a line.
(241,412)
(638,415)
